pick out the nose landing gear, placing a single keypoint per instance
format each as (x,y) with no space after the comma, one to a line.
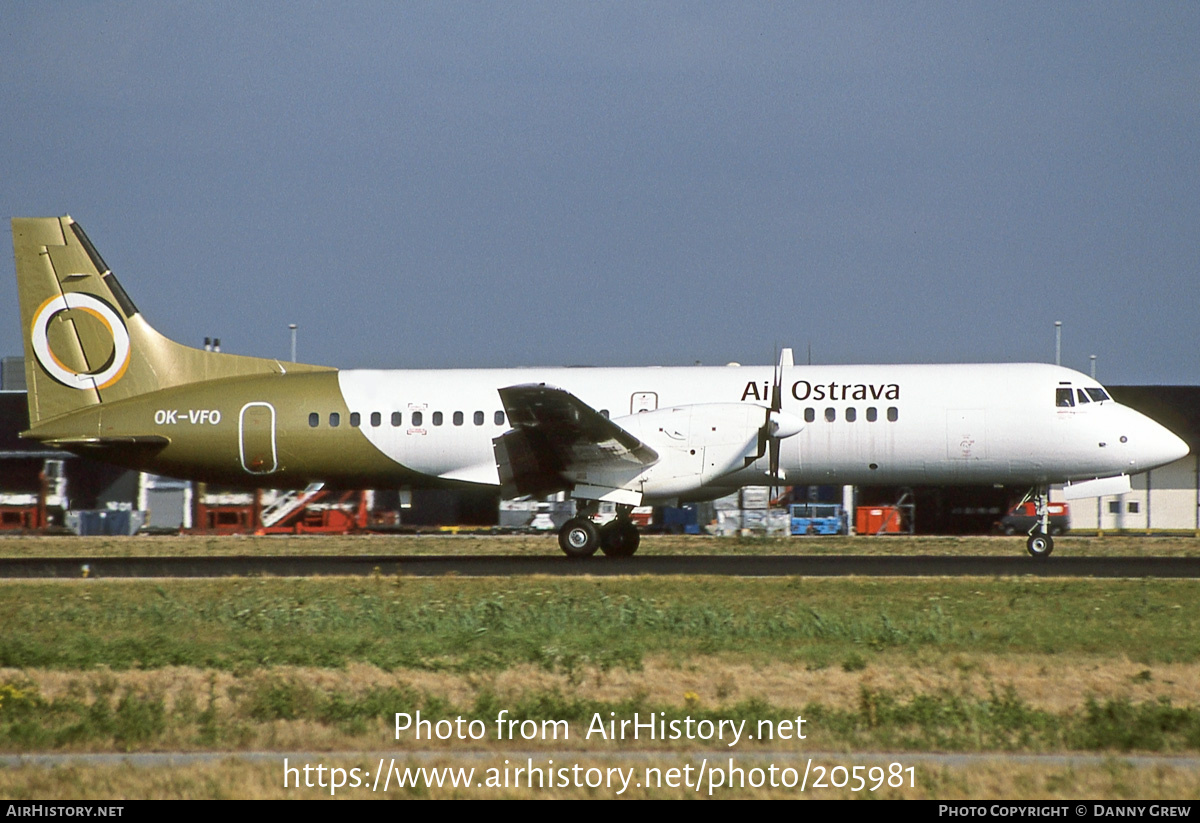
(1040,544)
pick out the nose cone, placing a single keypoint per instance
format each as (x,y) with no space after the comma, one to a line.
(1157,445)
(1173,447)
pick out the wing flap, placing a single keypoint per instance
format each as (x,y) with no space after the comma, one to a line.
(554,435)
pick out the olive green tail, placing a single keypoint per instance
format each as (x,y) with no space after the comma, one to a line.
(86,343)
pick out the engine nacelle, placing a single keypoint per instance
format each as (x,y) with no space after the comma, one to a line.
(697,444)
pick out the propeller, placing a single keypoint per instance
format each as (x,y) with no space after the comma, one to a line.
(777,424)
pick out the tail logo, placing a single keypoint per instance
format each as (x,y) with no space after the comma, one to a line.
(111,371)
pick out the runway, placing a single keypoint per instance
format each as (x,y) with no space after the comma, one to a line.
(503,566)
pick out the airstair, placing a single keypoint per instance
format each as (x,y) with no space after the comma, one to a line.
(288,504)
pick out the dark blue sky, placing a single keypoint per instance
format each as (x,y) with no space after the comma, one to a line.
(433,185)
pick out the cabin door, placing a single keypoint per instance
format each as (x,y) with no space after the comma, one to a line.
(256,438)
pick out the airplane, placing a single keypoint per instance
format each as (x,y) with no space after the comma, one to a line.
(103,383)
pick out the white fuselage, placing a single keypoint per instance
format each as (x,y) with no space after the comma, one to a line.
(879,424)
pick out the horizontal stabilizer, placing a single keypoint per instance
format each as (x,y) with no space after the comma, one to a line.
(148,440)
(1099,487)
(111,447)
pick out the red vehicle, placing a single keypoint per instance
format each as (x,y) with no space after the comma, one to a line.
(1023,517)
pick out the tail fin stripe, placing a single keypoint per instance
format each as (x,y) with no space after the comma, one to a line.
(97,261)
(122,298)
(104,271)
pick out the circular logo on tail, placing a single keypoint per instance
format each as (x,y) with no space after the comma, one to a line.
(111,371)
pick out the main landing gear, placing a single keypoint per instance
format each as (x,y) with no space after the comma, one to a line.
(580,536)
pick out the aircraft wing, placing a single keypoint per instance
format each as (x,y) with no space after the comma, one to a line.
(554,434)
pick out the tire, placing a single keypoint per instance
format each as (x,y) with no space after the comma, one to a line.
(579,537)
(1040,545)
(619,538)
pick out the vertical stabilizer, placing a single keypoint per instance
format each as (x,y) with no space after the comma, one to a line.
(85,341)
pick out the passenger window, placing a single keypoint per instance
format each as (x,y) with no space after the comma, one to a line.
(355,419)
(335,419)
(376,418)
(314,420)
(810,415)
(499,418)
(893,414)
(831,414)
(1064,398)
(478,418)
(872,414)
(458,418)
(437,418)
(417,418)
(851,415)
(604,413)
(396,418)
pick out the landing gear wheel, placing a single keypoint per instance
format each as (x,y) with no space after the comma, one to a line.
(1040,545)
(579,537)
(619,538)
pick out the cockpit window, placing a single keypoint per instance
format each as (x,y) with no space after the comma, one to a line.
(1082,395)
(1098,394)
(1064,398)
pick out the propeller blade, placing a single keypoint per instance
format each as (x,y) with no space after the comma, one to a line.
(785,362)
(776,425)
(773,419)
(774,463)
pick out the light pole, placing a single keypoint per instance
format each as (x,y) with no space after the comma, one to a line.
(1092,357)
(292,326)
(1058,342)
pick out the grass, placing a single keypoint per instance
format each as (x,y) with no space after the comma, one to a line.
(547,545)
(485,624)
(263,779)
(259,709)
(910,665)
(266,661)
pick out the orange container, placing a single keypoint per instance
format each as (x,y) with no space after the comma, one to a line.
(876,520)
